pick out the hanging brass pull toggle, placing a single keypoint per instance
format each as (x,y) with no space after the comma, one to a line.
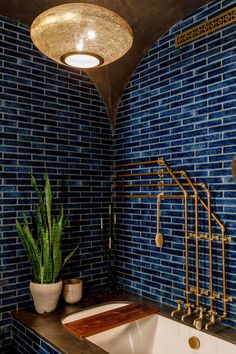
(159,237)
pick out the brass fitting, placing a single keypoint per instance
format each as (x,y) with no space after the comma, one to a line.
(198,322)
(213,319)
(188,306)
(194,343)
(179,303)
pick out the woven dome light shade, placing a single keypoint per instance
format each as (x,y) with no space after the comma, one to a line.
(81,35)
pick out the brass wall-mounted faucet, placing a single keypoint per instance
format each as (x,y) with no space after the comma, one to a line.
(179,309)
(213,319)
(198,322)
(188,306)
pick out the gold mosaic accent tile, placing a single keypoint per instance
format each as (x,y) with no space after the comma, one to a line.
(204,28)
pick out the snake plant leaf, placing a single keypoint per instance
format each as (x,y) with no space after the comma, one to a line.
(61,221)
(36,188)
(57,229)
(40,204)
(44,247)
(46,258)
(70,255)
(48,202)
(29,244)
(41,272)
(30,241)
(57,234)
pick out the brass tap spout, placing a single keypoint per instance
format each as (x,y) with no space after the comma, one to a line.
(198,322)
(188,307)
(174,312)
(213,320)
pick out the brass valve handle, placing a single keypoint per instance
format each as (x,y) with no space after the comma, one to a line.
(188,305)
(179,303)
(201,312)
(212,312)
(202,309)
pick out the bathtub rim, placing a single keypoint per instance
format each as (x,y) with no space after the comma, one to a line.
(214,331)
(50,329)
(95,306)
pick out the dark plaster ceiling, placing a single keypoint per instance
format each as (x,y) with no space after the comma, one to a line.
(149,19)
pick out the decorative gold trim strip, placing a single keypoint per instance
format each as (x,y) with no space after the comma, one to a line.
(224,19)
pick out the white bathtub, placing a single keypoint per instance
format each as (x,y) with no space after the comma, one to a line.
(152,335)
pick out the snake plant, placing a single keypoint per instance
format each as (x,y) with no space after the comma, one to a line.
(43,247)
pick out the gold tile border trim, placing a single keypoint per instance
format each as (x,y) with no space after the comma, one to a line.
(224,19)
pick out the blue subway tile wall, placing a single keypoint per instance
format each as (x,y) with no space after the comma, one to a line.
(25,341)
(52,120)
(180,105)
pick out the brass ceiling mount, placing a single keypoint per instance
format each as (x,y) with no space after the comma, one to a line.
(148,19)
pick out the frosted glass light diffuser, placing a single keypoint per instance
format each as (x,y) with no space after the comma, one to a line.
(81,35)
(79,60)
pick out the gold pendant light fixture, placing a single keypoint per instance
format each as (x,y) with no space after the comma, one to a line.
(81,35)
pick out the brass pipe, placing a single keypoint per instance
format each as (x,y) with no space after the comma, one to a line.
(152,162)
(212,214)
(223,272)
(145,174)
(209,245)
(186,246)
(207,207)
(185,227)
(153,185)
(144,185)
(197,293)
(172,173)
(222,227)
(130,196)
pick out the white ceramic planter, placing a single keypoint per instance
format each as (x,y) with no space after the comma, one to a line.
(45,296)
(72,290)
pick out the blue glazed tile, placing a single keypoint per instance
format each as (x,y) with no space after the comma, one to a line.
(179,104)
(40,127)
(201,136)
